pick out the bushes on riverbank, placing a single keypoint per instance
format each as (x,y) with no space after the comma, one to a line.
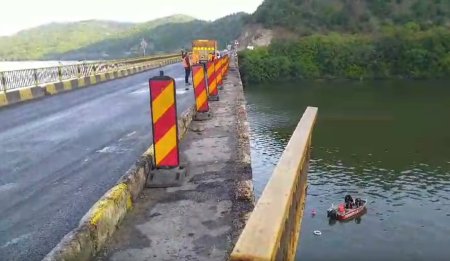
(403,52)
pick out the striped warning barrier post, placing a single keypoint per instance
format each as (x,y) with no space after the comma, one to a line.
(201,94)
(227,64)
(212,82)
(222,69)
(218,69)
(164,121)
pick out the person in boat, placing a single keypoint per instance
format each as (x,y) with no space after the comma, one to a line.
(348,201)
(358,202)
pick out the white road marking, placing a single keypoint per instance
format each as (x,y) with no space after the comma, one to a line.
(127,136)
(181,91)
(131,134)
(105,150)
(113,149)
(7,186)
(16,240)
(140,91)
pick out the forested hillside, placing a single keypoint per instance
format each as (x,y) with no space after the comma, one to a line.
(106,39)
(315,16)
(54,38)
(352,39)
(165,38)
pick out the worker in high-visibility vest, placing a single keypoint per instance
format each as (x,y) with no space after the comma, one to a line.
(187,67)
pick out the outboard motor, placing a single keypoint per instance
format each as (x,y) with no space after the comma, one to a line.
(332,213)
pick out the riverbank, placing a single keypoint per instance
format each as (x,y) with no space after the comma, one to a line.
(405,53)
(202,219)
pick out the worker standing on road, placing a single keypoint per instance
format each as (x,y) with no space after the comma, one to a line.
(187,67)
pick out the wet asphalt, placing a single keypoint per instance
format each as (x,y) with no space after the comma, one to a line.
(60,154)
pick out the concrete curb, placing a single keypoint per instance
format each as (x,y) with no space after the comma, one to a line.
(245,184)
(100,222)
(20,95)
(26,94)
(244,198)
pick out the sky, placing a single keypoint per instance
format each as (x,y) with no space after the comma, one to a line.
(17,15)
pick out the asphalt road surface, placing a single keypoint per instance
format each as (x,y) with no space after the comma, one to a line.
(58,155)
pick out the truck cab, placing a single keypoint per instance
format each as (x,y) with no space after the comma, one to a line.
(203,51)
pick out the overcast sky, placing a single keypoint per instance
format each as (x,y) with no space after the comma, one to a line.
(17,15)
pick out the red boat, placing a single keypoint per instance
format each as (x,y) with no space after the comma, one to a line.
(347,210)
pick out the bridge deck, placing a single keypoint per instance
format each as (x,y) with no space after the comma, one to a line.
(201,219)
(60,154)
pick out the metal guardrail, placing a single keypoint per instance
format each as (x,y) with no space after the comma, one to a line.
(16,79)
(273,228)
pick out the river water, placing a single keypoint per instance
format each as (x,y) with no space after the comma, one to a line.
(388,141)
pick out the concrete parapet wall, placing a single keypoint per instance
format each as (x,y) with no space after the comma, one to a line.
(273,229)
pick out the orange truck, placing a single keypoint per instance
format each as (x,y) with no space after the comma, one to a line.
(203,50)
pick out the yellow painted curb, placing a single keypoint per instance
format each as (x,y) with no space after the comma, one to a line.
(3,100)
(67,85)
(149,151)
(50,88)
(81,83)
(115,195)
(93,80)
(25,94)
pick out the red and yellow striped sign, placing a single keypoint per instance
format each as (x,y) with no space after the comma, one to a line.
(164,121)
(201,94)
(222,69)
(212,82)
(218,69)
(227,64)
(224,66)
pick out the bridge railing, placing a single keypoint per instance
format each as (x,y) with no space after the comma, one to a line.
(16,79)
(273,229)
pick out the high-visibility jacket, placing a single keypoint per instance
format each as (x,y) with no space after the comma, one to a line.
(186,63)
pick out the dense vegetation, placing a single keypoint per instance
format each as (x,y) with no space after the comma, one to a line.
(104,39)
(404,52)
(316,16)
(352,39)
